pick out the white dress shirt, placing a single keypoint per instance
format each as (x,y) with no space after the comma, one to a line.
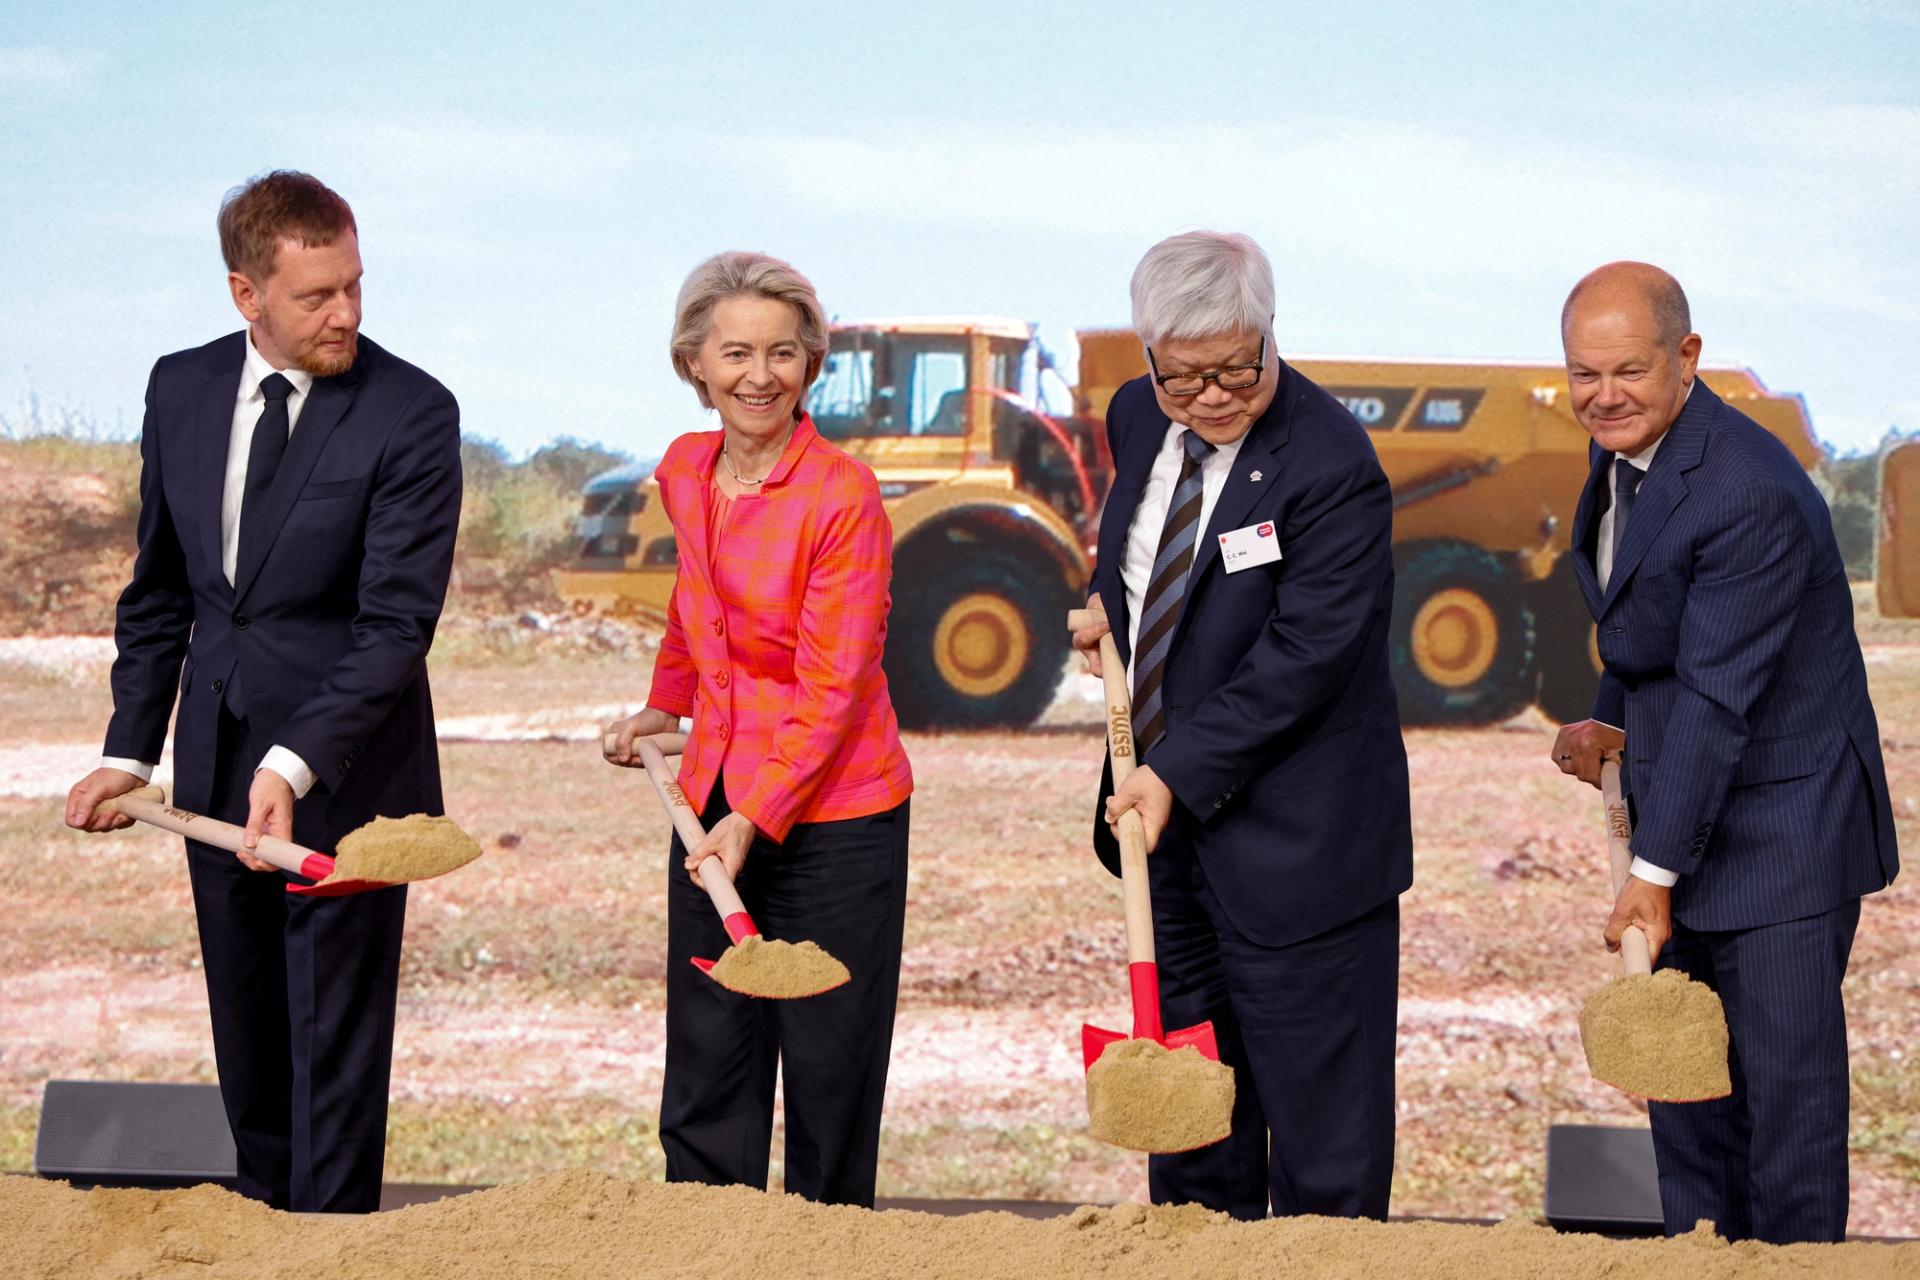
(1150,518)
(248,405)
(1602,571)
(1603,549)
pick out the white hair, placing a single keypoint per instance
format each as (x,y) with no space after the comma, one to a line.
(1202,284)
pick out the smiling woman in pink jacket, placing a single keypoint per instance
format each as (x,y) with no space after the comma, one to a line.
(774,637)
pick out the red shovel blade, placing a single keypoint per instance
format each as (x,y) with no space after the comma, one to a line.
(706,967)
(337,888)
(1094,1041)
(1199,1037)
(740,927)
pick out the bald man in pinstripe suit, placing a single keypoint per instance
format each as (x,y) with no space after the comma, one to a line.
(1735,690)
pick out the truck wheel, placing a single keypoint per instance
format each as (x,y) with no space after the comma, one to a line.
(1461,643)
(1569,650)
(975,643)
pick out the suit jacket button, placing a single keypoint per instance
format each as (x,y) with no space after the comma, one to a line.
(718,626)
(240,621)
(218,685)
(720,678)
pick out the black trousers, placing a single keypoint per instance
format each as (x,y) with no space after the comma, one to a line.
(842,885)
(302,993)
(1309,1031)
(1769,1162)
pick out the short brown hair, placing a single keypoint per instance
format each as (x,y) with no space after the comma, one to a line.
(743,275)
(283,205)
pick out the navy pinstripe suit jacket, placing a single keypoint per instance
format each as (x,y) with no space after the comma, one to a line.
(1726,630)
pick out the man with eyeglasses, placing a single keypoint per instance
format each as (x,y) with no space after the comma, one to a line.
(1245,561)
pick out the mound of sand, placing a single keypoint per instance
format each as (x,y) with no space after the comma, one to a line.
(397,850)
(1659,1035)
(1145,1097)
(776,970)
(586,1226)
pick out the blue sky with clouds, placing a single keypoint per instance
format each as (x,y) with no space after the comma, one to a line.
(532,182)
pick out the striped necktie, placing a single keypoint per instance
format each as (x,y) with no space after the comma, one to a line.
(1166,592)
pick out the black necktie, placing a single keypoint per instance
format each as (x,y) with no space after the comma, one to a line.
(263,456)
(1626,483)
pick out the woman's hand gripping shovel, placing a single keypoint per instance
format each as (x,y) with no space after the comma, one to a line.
(1156,1091)
(753,965)
(1656,1035)
(379,855)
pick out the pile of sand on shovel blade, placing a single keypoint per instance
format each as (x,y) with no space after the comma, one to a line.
(1661,1036)
(1144,1096)
(396,850)
(757,966)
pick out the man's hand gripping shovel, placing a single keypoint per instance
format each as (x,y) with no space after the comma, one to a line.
(1143,972)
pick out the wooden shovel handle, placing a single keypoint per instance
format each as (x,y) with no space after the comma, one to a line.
(1635,956)
(1134,893)
(148,805)
(713,876)
(670,744)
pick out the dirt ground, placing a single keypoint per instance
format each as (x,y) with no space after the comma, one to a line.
(530,1020)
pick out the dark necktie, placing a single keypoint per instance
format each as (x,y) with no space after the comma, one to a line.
(1166,592)
(1626,483)
(263,456)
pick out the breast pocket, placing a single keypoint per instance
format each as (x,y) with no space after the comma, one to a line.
(1642,633)
(332,489)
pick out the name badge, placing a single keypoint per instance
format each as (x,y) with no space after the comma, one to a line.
(1244,548)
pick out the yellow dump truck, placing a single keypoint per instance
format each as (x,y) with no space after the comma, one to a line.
(995,507)
(1486,462)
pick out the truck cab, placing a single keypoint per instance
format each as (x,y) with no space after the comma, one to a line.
(994,506)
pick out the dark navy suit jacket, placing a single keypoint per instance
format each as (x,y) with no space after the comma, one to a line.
(1726,630)
(1283,744)
(327,625)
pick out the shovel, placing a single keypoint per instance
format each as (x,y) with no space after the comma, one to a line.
(653,752)
(1143,972)
(1659,1036)
(149,805)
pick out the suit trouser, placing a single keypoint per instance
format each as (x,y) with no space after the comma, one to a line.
(302,993)
(1769,1162)
(842,885)
(1308,1029)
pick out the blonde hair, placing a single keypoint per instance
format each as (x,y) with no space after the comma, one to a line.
(740,274)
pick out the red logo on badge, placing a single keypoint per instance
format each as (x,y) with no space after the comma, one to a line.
(1223,539)
(1264,531)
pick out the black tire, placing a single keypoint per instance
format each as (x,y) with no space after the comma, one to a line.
(977,638)
(1461,646)
(1569,663)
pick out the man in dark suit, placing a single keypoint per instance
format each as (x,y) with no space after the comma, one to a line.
(1734,688)
(299,493)
(1245,559)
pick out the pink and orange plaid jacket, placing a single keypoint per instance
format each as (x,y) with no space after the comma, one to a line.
(774,647)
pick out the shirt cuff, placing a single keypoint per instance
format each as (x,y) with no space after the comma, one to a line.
(1644,870)
(138,768)
(292,768)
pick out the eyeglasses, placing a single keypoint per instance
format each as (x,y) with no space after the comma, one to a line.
(1235,377)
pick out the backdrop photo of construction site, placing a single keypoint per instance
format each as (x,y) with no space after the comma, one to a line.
(530,1032)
